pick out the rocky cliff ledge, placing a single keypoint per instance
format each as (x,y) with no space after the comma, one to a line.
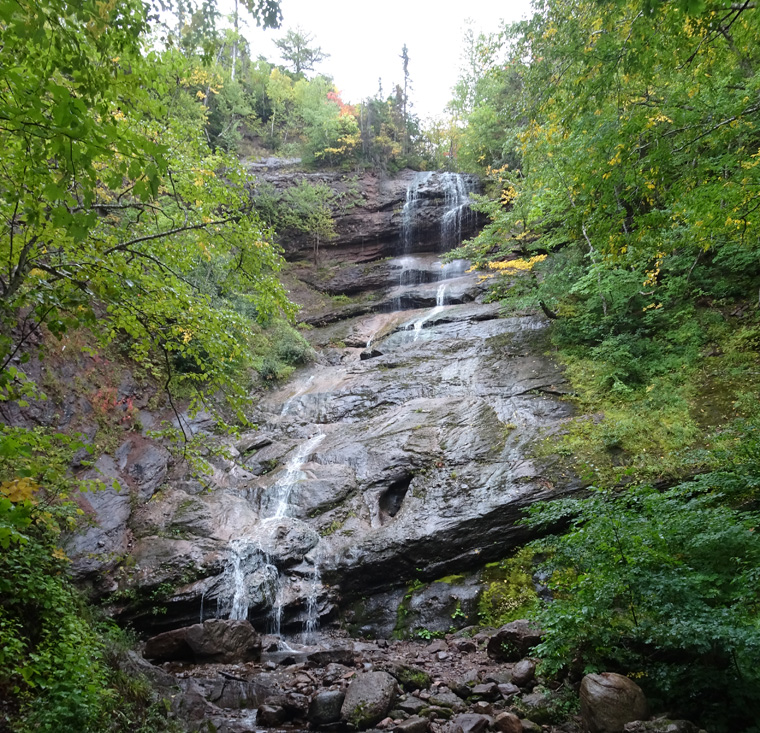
(383,216)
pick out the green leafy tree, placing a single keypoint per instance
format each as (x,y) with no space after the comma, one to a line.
(296,49)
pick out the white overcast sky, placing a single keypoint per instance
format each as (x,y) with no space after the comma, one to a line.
(364,41)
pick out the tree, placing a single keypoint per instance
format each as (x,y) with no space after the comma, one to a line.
(307,210)
(405,65)
(295,49)
(108,207)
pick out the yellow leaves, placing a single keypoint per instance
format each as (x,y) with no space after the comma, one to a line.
(508,195)
(19,489)
(651,306)
(550,32)
(518,265)
(59,554)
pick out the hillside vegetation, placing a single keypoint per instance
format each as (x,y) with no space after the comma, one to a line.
(621,139)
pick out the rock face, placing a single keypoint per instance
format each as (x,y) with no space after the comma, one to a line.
(384,216)
(368,699)
(366,475)
(609,701)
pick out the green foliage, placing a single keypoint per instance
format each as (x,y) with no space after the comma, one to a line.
(280,351)
(509,592)
(663,584)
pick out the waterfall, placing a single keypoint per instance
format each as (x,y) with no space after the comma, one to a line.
(440,302)
(457,189)
(283,488)
(247,557)
(409,211)
(244,559)
(311,625)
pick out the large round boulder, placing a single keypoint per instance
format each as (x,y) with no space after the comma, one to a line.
(369,697)
(609,701)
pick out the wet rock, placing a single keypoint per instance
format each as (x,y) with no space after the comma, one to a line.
(523,672)
(471,722)
(415,724)
(368,699)
(609,701)
(325,707)
(514,641)
(237,694)
(507,723)
(191,704)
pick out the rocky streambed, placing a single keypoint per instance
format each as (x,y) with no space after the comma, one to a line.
(222,676)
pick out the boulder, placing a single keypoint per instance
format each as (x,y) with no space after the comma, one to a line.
(368,699)
(325,707)
(471,722)
(337,655)
(411,705)
(224,641)
(271,716)
(507,723)
(171,646)
(415,724)
(514,641)
(508,690)
(487,691)
(447,699)
(409,676)
(609,701)
(216,640)
(523,672)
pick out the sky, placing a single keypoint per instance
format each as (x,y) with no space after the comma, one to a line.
(364,41)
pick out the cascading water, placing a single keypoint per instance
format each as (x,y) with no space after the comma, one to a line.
(457,189)
(311,626)
(247,556)
(248,561)
(440,302)
(409,212)
(281,491)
